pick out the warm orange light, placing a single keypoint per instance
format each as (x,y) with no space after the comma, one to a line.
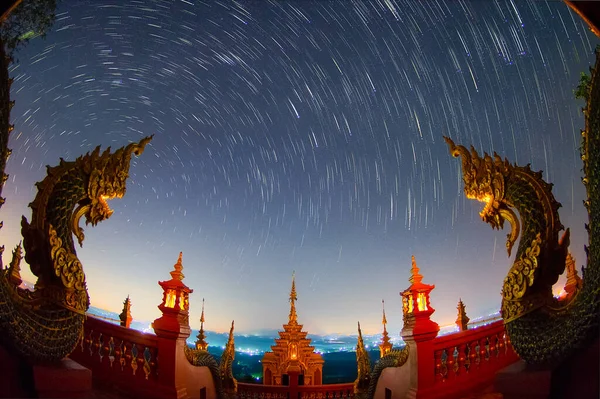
(170,299)
(421,301)
(410,304)
(293,351)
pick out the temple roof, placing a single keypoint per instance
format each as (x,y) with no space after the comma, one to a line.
(292,333)
(416,278)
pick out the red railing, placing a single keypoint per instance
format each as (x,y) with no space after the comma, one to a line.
(468,360)
(124,358)
(327,391)
(259,391)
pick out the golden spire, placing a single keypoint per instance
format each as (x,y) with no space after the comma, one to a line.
(14,268)
(386,346)
(462,320)
(415,276)
(176,274)
(574,282)
(201,343)
(293,319)
(125,315)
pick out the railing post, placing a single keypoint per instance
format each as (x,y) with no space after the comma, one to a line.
(419,330)
(172,330)
(293,372)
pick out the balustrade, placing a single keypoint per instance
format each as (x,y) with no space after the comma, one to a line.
(467,359)
(118,355)
(259,391)
(328,391)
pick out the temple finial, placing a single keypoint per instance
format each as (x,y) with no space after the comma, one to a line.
(293,319)
(177,274)
(14,267)
(125,315)
(415,276)
(462,320)
(202,315)
(386,346)
(201,343)
(574,282)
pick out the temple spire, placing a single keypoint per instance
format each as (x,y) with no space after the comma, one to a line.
(462,320)
(574,282)
(125,315)
(201,343)
(177,274)
(386,346)
(415,276)
(14,268)
(293,319)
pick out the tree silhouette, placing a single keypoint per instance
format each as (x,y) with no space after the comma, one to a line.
(23,20)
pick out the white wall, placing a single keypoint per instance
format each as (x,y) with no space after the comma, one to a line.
(402,381)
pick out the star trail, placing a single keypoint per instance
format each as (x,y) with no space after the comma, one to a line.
(300,135)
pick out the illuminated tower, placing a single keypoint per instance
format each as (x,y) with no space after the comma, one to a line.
(175,305)
(201,343)
(419,330)
(417,309)
(386,346)
(292,356)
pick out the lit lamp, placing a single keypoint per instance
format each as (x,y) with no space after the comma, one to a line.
(293,368)
(417,309)
(175,304)
(293,351)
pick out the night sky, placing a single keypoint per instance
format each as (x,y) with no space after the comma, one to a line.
(300,135)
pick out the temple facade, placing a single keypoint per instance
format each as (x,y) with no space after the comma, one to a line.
(292,351)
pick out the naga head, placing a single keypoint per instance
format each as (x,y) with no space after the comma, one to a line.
(108,175)
(484,181)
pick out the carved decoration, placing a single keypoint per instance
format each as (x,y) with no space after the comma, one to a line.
(361,384)
(541,329)
(46,324)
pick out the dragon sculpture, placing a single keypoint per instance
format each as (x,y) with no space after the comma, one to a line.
(394,358)
(364,365)
(44,325)
(228,382)
(201,358)
(542,329)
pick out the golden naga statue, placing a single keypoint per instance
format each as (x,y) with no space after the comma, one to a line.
(46,324)
(541,329)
